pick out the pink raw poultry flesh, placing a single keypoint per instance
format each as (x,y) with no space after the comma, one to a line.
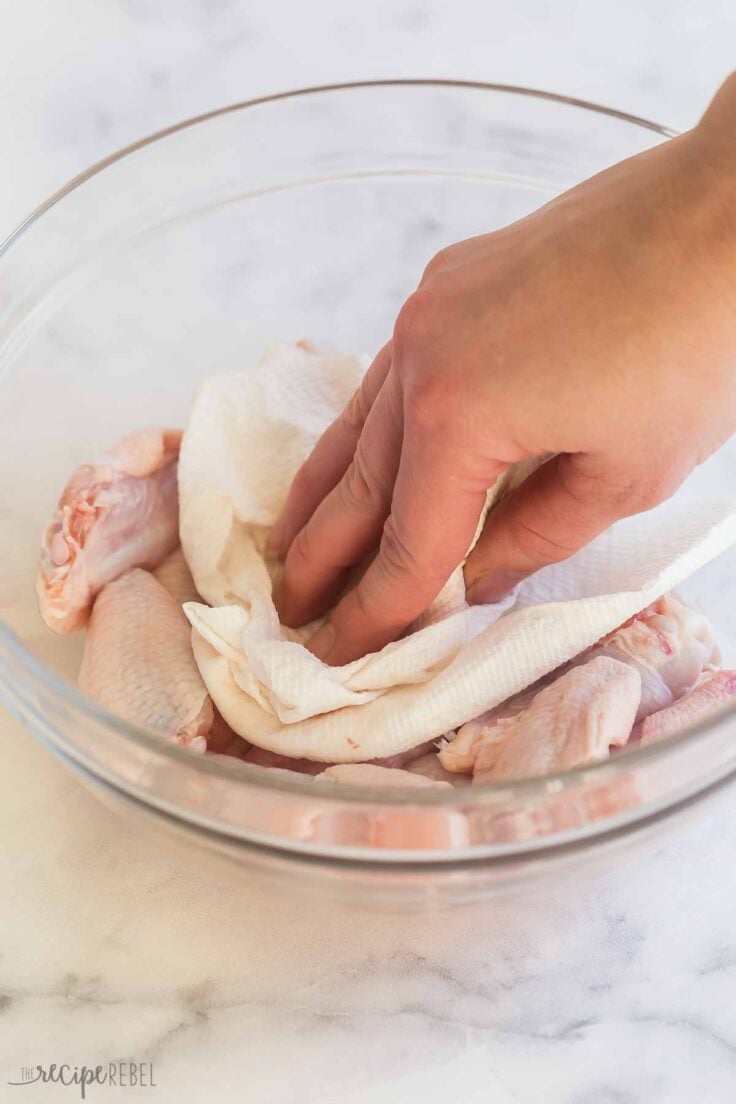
(669,644)
(119,513)
(575,720)
(138,661)
(704,702)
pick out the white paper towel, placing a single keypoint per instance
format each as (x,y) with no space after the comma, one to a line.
(247,434)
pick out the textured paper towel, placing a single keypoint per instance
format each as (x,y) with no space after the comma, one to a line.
(247,435)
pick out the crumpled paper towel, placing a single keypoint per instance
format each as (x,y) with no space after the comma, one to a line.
(247,435)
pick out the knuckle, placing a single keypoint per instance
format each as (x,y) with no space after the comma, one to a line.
(594,482)
(360,488)
(404,578)
(431,394)
(300,553)
(431,402)
(634,492)
(441,261)
(618,498)
(402,562)
(416,322)
(356,411)
(362,606)
(397,558)
(534,545)
(652,491)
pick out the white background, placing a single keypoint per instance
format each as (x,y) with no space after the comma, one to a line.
(80,78)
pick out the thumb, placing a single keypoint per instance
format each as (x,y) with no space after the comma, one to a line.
(559,509)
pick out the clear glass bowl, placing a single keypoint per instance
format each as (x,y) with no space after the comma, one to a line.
(308,214)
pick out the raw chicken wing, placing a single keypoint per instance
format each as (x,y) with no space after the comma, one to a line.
(457,753)
(707,699)
(138,660)
(667,644)
(119,513)
(575,720)
(670,646)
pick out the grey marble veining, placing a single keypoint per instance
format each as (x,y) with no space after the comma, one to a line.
(616,992)
(619,991)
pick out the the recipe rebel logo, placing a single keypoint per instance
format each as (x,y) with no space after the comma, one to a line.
(124,1075)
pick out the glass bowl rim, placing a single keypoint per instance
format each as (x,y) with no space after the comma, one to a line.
(39,674)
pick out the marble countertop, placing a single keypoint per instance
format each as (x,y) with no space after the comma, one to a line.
(111,947)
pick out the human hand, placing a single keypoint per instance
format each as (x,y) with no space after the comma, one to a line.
(601,329)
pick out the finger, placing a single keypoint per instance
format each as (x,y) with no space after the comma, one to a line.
(559,509)
(329,459)
(434,514)
(347,524)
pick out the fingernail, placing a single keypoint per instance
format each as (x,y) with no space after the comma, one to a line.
(322,643)
(492,587)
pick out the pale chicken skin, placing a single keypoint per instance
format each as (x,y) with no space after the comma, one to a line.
(705,701)
(648,663)
(119,513)
(457,753)
(575,720)
(138,661)
(670,645)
